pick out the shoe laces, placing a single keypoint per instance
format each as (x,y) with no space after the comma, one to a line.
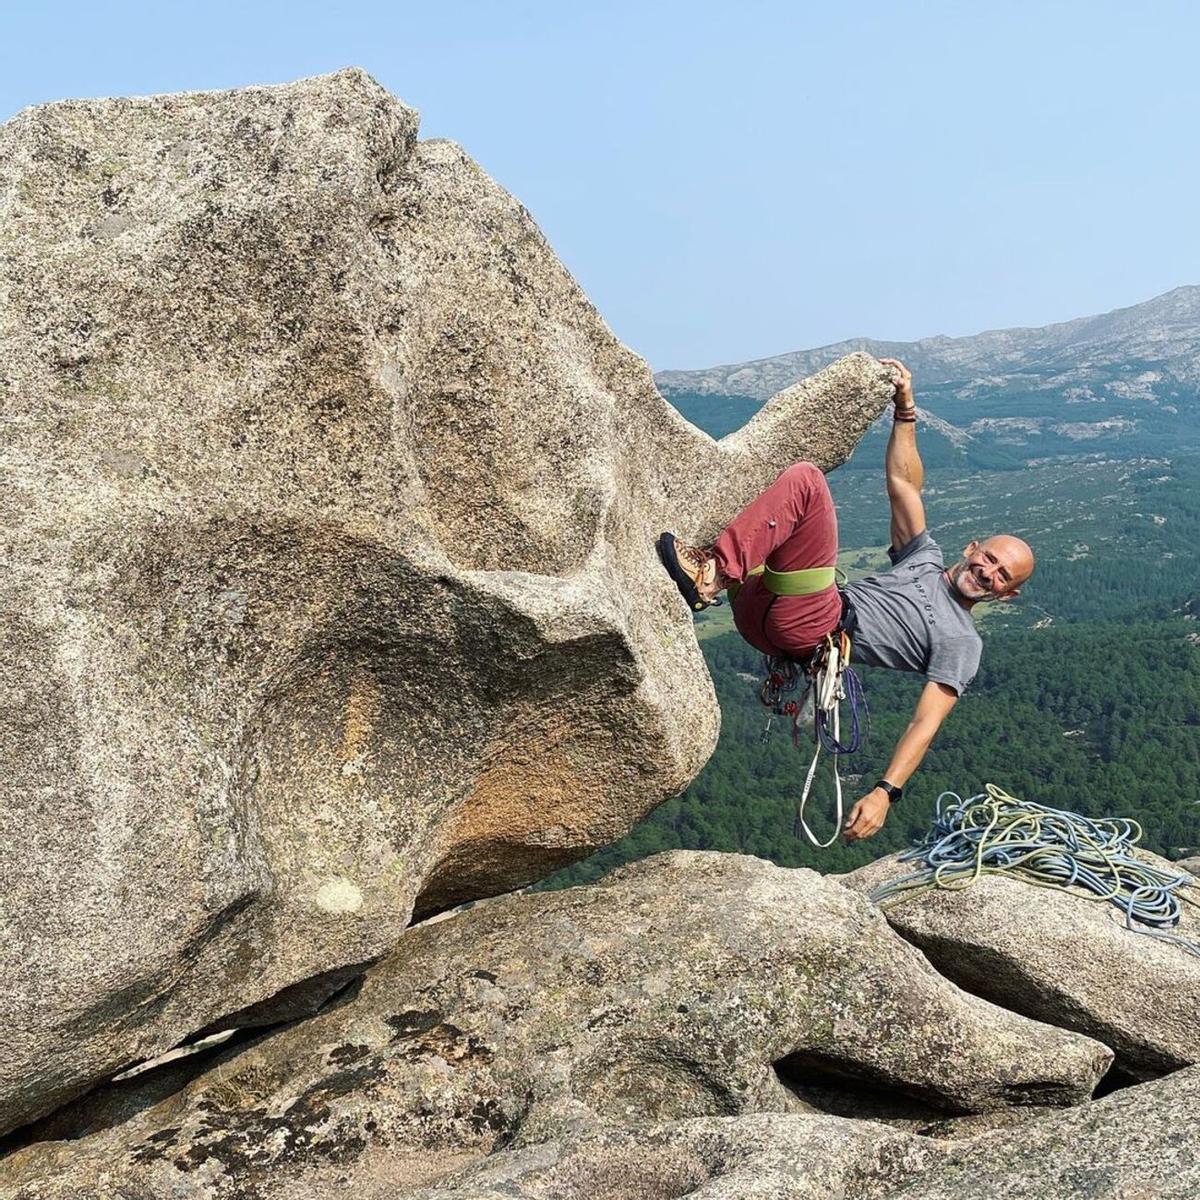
(702,560)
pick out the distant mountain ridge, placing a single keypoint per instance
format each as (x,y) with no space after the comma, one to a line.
(1124,383)
(1164,332)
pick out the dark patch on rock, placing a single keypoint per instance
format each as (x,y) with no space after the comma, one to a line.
(341,1055)
(490,1115)
(409,1024)
(247,1141)
(451,1043)
(157,1145)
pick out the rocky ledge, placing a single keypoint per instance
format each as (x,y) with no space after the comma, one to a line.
(686,985)
(1059,958)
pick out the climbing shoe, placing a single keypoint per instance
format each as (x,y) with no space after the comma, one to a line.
(694,570)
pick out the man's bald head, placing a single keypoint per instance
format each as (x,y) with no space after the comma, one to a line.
(993,569)
(1017,555)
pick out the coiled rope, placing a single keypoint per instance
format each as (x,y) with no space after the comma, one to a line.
(995,833)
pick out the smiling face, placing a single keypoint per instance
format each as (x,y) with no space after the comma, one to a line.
(993,569)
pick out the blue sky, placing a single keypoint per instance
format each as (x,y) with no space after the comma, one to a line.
(734,181)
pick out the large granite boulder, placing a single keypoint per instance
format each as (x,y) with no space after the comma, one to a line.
(1061,958)
(679,987)
(329,504)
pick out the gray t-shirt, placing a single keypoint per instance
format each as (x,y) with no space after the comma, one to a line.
(908,619)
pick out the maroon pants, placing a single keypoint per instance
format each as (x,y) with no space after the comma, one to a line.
(790,526)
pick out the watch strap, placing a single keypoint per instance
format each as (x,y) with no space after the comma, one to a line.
(893,792)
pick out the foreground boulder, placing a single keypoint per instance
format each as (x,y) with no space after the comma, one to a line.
(1138,1142)
(329,503)
(1135,1145)
(672,989)
(769,1157)
(1061,958)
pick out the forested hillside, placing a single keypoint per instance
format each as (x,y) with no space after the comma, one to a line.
(1100,717)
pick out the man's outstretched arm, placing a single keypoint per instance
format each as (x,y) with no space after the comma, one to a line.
(902,464)
(868,815)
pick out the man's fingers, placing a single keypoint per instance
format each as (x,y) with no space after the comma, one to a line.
(860,825)
(857,826)
(865,820)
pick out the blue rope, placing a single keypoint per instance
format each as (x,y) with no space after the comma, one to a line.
(995,833)
(856,698)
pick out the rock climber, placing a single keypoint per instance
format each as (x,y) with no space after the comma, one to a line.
(914,617)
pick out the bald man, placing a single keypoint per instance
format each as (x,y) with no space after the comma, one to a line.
(914,617)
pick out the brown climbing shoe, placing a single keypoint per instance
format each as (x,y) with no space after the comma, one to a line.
(694,570)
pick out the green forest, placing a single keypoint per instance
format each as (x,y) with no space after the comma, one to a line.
(1088,697)
(1101,718)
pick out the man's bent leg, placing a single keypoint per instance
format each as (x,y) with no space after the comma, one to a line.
(790,526)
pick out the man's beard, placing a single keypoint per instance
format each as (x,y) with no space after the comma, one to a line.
(984,594)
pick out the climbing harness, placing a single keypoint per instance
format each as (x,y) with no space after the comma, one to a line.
(994,833)
(830,680)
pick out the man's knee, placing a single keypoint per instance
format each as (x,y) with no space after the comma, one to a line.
(805,476)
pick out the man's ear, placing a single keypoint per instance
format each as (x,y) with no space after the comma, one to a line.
(970,548)
(1009,596)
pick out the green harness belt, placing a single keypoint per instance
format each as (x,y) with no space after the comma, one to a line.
(806,582)
(796,583)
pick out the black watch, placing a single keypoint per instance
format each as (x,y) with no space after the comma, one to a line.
(893,792)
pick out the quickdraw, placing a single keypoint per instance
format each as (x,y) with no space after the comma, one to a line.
(829,680)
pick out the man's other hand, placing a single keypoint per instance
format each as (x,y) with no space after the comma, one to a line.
(867,816)
(902,380)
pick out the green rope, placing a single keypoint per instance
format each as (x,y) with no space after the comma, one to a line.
(997,834)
